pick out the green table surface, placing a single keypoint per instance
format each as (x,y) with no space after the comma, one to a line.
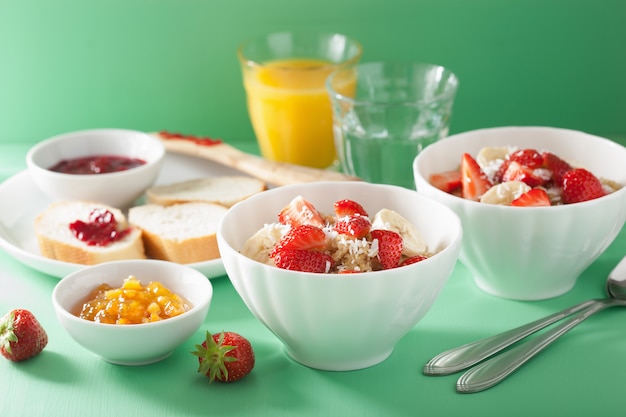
(581,374)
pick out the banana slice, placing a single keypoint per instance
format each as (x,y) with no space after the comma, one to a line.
(491,157)
(259,245)
(490,154)
(504,193)
(412,241)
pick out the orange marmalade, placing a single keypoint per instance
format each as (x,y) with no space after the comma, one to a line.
(132,303)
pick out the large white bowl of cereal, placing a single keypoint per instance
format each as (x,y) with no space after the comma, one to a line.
(538,204)
(321,266)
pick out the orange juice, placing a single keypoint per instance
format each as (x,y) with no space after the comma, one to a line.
(290,111)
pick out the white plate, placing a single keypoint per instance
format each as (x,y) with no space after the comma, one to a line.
(22,201)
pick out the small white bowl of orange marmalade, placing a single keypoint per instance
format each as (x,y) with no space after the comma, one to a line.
(133,312)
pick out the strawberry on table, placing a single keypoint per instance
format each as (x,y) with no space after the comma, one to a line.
(21,335)
(581,185)
(474,181)
(389,247)
(225,357)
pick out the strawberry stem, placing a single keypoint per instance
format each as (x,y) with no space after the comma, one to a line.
(213,356)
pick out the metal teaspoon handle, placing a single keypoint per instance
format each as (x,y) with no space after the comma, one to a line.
(463,357)
(491,372)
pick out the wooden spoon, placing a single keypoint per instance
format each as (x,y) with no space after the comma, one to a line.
(276,173)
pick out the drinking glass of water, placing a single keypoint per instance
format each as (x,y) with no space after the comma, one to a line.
(384,119)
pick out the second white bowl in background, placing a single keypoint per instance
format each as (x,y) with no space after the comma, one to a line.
(118,189)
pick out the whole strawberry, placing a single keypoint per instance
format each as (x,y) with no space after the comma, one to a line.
(580,185)
(225,357)
(21,335)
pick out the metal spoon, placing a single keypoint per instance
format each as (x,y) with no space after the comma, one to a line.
(493,371)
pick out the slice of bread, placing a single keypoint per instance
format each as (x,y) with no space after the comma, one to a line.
(183,233)
(225,191)
(57,241)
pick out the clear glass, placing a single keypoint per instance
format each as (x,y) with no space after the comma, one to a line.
(384,114)
(284,77)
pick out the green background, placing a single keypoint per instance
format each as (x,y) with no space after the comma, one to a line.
(170,64)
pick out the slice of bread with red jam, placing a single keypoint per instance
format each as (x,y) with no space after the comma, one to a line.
(87,233)
(225,191)
(183,233)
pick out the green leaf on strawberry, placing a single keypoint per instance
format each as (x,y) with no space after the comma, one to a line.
(225,357)
(21,335)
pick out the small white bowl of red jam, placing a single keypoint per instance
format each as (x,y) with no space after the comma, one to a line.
(133,312)
(110,166)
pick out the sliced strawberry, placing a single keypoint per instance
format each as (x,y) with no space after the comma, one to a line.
(447,181)
(519,172)
(303,260)
(300,211)
(497,177)
(527,157)
(557,166)
(389,247)
(356,226)
(304,237)
(413,260)
(474,181)
(580,185)
(348,208)
(536,197)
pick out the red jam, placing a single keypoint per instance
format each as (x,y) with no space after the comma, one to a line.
(96,164)
(204,141)
(100,230)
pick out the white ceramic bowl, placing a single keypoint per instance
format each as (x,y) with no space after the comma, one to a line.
(118,189)
(340,322)
(531,253)
(133,344)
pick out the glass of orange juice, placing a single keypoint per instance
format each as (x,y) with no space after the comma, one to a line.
(284,77)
